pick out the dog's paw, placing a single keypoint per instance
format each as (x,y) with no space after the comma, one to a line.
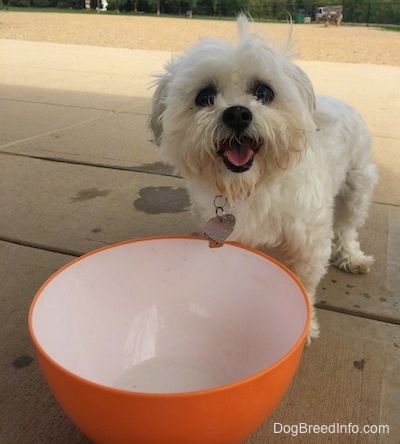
(357,264)
(313,332)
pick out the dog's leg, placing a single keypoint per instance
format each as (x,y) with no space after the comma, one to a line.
(350,213)
(309,263)
(310,281)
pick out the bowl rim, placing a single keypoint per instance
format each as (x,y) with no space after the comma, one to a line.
(40,350)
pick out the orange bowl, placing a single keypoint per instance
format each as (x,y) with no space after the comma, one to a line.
(165,340)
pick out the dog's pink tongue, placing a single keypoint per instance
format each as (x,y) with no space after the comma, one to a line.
(239,155)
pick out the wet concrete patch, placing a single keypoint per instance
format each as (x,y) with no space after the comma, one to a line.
(158,200)
(89,194)
(359,365)
(157,168)
(23,361)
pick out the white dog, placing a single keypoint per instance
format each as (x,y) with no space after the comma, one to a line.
(296,170)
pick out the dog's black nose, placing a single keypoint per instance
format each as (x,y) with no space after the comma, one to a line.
(237,117)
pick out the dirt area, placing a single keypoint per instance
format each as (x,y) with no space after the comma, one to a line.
(314,42)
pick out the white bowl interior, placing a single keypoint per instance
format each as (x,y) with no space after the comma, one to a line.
(169,315)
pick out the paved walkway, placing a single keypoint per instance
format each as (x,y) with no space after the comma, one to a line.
(77,172)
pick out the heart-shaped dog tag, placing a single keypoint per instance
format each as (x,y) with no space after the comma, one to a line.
(218,229)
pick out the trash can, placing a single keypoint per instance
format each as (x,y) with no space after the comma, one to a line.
(299,17)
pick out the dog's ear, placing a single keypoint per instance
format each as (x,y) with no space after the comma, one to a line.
(303,83)
(158,106)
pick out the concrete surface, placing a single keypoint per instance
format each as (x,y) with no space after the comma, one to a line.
(77,172)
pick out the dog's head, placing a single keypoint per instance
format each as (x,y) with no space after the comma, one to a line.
(232,116)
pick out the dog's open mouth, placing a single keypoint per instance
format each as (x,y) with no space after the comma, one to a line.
(238,153)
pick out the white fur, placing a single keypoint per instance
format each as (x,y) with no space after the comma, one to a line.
(309,186)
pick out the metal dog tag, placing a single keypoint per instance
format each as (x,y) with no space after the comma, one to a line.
(218,229)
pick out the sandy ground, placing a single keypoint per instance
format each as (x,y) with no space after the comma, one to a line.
(314,42)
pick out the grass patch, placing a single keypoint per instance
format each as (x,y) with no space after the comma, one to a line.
(384,27)
(31,9)
(395,28)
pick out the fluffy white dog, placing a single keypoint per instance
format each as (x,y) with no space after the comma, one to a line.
(296,170)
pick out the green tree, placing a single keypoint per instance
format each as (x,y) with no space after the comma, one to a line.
(156,4)
(268,9)
(372,11)
(19,3)
(40,3)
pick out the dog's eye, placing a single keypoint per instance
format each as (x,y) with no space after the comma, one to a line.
(263,93)
(206,96)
